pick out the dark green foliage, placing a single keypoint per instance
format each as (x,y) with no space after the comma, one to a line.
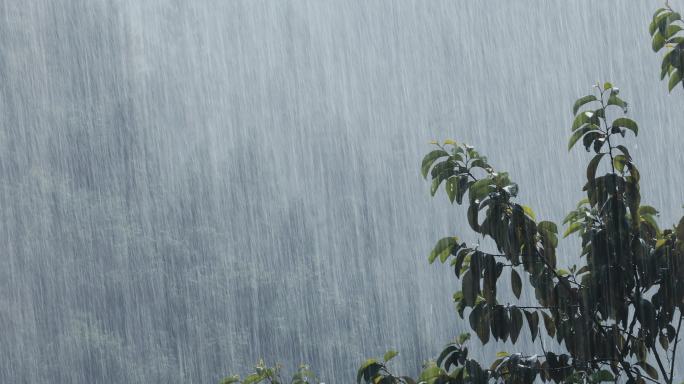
(666,32)
(616,315)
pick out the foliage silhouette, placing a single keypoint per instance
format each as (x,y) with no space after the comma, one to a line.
(618,314)
(666,32)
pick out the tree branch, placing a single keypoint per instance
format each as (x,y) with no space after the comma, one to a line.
(674,348)
(660,364)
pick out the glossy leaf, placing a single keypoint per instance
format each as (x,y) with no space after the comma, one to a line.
(626,123)
(581,119)
(452,187)
(582,101)
(578,134)
(429,159)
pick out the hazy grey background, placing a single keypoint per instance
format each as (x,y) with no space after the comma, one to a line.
(187,186)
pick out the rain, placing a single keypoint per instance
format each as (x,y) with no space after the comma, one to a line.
(189,186)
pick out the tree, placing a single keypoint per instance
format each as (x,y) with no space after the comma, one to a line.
(616,314)
(619,313)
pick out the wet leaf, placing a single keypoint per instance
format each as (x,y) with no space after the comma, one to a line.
(389,355)
(626,123)
(443,249)
(516,324)
(516,283)
(429,159)
(582,101)
(533,323)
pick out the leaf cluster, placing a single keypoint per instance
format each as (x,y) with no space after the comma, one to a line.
(613,314)
(272,375)
(666,33)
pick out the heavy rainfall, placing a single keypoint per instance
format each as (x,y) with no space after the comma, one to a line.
(189,186)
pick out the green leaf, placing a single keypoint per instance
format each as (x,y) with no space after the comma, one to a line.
(480,189)
(582,101)
(472,217)
(627,123)
(450,349)
(253,379)
(614,100)
(602,376)
(430,372)
(547,226)
(582,119)
(529,212)
(463,337)
(658,16)
(597,139)
(389,355)
(658,11)
(533,323)
(593,165)
(457,263)
(516,324)
(624,151)
(230,379)
(647,210)
(574,227)
(675,78)
(452,187)
(435,185)
(429,159)
(443,249)
(672,30)
(579,133)
(549,324)
(658,42)
(362,370)
(516,283)
(607,85)
(468,288)
(619,162)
